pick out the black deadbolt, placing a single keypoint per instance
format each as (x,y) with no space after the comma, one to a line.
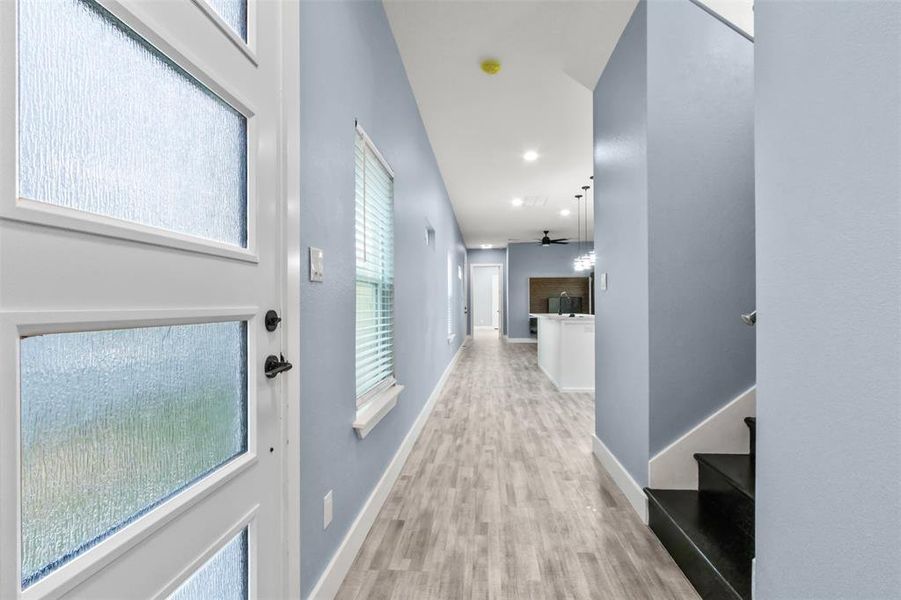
(272,320)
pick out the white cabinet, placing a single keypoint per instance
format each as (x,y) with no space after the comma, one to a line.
(566,351)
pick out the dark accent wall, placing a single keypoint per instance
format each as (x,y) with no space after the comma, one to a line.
(351,70)
(542,288)
(828,149)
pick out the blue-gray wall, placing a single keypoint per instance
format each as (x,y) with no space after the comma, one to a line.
(701,216)
(674,227)
(479,256)
(351,69)
(531,259)
(621,244)
(828,136)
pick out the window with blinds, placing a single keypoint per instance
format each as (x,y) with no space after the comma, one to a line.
(375,270)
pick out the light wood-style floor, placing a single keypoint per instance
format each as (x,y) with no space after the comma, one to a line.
(502,498)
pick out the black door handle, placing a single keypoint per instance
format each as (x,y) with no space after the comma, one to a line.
(275,365)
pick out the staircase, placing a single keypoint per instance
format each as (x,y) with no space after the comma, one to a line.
(710,532)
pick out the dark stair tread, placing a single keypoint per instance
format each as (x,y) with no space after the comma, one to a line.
(724,548)
(737,469)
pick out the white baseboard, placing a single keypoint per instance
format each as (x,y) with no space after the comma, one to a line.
(753,578)
(527,340)
(565,390)
(333,576)
(624,481)
(548,375)
(724,432)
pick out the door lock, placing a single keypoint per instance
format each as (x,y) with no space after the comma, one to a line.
(271,320)
(275,365)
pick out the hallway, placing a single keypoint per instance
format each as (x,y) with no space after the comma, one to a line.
(502,498)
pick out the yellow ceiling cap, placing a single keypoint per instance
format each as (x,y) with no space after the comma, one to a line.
(491,66)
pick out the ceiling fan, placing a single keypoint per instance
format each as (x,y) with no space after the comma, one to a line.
(547,241)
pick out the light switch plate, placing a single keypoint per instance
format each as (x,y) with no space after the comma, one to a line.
(317,268)
(327,510)
(603,281)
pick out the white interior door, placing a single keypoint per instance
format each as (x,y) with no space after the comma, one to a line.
(486,296)
(141,445)
(495,299)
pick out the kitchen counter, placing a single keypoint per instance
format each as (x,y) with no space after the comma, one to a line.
(566,350)
(563,317)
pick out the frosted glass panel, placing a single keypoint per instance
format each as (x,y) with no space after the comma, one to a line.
(114,422)
(233,12)
(109,126)
(223,577)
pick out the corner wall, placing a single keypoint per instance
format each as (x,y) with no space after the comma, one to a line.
(828,128)
(621,245)
(351,69)
(674,228)
(701,216)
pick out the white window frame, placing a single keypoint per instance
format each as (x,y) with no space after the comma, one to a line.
(378,401)
(249,47)
(33,210)
(451,330)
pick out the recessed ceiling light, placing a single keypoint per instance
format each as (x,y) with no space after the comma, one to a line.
(530,156)
(516,202)
(487,246)
(564,212)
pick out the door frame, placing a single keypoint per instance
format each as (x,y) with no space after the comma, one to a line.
(501,290)
(291,279)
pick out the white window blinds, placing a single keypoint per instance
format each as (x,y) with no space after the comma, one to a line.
(375,270)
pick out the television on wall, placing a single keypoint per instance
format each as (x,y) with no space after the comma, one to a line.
(564,305)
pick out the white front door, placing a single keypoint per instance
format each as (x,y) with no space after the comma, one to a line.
(141,444)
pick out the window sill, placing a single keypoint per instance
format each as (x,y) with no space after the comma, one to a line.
(369,414)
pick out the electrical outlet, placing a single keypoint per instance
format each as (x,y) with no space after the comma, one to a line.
(327,510)
(603,281)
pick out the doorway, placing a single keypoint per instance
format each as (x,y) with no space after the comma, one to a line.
(487,295)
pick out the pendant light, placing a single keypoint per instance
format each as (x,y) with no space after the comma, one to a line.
(578,262)
(589,256)
(586,260)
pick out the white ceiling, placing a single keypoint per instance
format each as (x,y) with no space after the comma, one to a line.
(552,53)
